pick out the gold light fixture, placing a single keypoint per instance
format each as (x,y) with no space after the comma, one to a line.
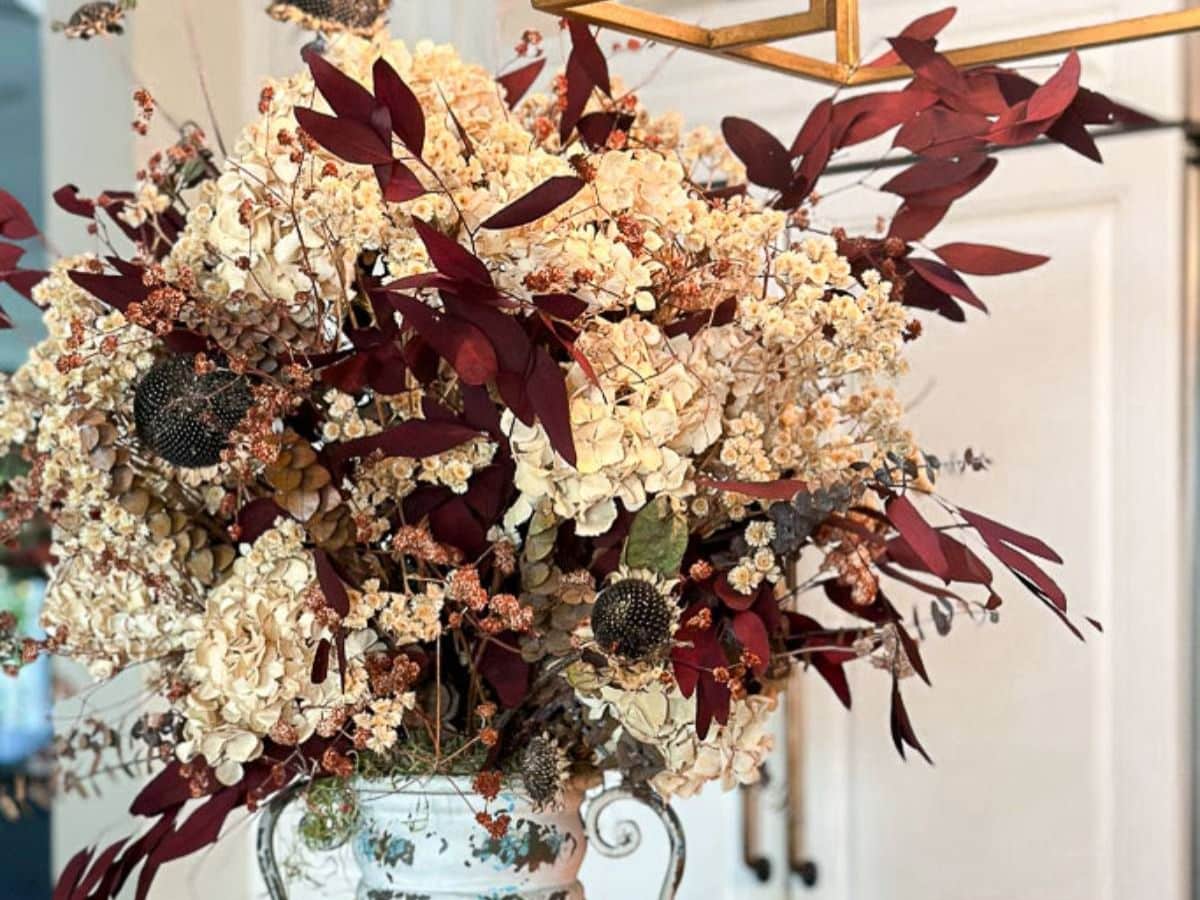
(754,42)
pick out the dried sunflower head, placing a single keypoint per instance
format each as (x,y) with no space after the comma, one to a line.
(363,17)
(544,768)
(635,616)
(186,417)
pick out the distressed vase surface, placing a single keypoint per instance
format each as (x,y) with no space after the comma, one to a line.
(420,841)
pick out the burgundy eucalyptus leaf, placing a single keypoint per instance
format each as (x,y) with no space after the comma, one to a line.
(398,182)
(99,869)
(331,583)
(819,120)
(464,346)
(579,91)
(516,84)
(768,162)
(72,874)
(902,730)
(919,534)
(505,671)
(10,255)
(320,666)
(752,635)
(561,306)
(597,127)
(867,117)
(347,139)
(992,530)
(346,97)
(541,201)
(67,199)
(926,28)
(548,394)
(930,66)
(408,119)
(25,280)
(1052,99)
(980,259)
(201,828)
(256,517)
(15,222)
(450,258)
(779,490)
(946,279)
(1070,131)
(934,175)
(942,132)
(118,291)
(586,49)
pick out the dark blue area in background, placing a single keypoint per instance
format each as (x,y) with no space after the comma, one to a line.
(25,844)
(21,163)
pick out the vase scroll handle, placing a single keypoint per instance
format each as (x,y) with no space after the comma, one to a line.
(625,836)
(265,841)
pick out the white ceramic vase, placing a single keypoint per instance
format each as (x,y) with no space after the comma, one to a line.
(420,841)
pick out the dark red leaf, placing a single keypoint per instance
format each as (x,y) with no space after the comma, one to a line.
(782,489)
(940,132)
(752,635)
(10,255)
(398,183)
(819,120)
(561,306)
(870,115)
(1096,109)
(902,730)
(913,652)
(450,258)
(516,84)
(596,127)
(925,28)
(100,868)
(201,828)
(118,291)
(929,65)
(981,259)
(505,671)
(541,201)
(415,439)
(995,531)
(320,666)
(919,535)
(455,524)
(1070,131)
(731,596)
(72,873)
(586,49)
(463,345)
(1051,99)
(347,98)
(767,161)
(168,789)
(1029,572)
(331,583)
(934,175)
(579,90)
(945,279)
(15,222)
(548,393)
(346,139)
(408,119)
(256,517)
(25,280)
(1095,624)
(67,198)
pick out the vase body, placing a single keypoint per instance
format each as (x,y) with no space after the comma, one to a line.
(419,840)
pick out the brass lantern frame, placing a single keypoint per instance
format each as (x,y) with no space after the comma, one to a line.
(754,42)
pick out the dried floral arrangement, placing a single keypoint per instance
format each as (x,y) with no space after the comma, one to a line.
(443,426)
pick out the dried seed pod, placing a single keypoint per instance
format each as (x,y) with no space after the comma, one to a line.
(632,619)
(543,767)
(363,17)
(186,418)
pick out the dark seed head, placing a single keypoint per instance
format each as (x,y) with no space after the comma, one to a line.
(632,619)
(541,771)
(187,418)
(359,16)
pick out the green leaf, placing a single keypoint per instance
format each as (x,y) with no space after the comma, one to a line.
(657,539)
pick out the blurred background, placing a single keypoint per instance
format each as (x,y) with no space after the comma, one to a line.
(1064,771)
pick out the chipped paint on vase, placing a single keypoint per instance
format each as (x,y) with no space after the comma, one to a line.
(419,840)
